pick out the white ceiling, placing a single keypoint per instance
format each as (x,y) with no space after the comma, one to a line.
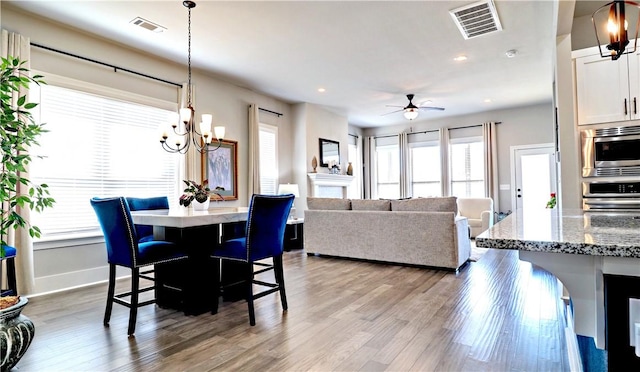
(366,54)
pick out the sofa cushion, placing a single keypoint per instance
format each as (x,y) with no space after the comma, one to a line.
(370,205)
(333,204)
(435,204)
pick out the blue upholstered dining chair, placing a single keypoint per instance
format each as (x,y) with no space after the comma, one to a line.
(124,249)
(264,240)
(145,232)
(10,260)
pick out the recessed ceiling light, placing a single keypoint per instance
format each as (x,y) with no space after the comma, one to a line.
(460,58)
(487,100)
(511,53)
(321,90)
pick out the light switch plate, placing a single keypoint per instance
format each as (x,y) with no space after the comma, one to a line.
(634,317)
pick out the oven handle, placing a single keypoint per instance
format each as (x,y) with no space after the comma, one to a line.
(627,203)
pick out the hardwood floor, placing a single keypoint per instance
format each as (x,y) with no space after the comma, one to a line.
(497,314)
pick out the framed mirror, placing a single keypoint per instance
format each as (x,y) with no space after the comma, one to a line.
(329,151)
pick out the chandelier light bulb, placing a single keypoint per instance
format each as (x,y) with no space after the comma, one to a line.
(219,133)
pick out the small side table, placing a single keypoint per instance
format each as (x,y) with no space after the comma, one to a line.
(294,234)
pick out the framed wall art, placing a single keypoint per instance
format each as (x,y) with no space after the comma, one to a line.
(220,167)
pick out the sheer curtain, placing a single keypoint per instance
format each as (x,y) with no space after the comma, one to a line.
(16,45)
(444,161)
(369,179)
(490,163)
(253,184)
(405,171)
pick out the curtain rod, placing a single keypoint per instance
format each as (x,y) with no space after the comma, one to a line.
(115,68)
(353,135)
(269,111)
(434,130)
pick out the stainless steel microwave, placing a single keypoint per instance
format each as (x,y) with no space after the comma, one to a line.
(613,151)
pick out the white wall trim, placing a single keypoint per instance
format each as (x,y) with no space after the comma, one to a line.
(75,279)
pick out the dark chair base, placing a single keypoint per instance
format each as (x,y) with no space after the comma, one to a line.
(12,286)
(250,273)
(133,303)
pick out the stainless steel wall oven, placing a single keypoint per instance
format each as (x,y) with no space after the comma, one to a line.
(611,196)
(610,152)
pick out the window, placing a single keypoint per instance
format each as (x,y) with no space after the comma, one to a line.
(388,171)
(268,137)
(425,169)
(97,146)
(467,167)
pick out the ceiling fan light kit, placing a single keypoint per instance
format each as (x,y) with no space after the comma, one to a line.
(412,111)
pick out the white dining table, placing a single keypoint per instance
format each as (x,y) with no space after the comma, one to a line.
(198,233)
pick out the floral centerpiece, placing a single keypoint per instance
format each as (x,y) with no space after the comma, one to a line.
(198,192)
(195,191)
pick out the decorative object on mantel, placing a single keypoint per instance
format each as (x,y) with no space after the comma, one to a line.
(616,26)
(552,202)
(187,116)
(16,329)
(314,164)
(334,168)
(350,169)
(198,194)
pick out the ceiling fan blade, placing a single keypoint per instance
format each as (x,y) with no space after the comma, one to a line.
(392,112)
(394,106)
(431,108)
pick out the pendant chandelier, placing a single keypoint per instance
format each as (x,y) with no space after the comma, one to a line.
(617,26)
(181,141)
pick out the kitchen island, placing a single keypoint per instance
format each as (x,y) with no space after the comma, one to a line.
(583,250)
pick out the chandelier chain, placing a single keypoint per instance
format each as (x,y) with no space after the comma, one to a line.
(189,63)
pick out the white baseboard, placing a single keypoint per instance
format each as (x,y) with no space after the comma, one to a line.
(74,279)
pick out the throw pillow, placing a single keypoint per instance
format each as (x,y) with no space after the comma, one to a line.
(370,205)
(326,204)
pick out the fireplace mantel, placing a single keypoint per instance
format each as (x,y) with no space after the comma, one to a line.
(329,185)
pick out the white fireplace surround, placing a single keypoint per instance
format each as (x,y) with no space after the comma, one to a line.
(325,185)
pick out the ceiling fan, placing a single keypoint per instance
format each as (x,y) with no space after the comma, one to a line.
(411,111)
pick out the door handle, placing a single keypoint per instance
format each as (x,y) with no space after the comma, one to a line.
(625,107)
(635,108)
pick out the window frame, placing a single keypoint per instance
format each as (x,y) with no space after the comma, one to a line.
(93,235)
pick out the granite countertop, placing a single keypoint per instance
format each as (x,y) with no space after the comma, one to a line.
(567,231)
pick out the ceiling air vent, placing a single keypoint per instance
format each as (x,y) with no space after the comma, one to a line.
(476,19)
(147,25)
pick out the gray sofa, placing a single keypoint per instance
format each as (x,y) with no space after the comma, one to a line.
(422,231)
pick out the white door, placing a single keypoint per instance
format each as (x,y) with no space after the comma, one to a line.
(534,176)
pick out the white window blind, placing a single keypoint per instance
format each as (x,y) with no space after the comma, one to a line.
(97,147)
(268,159)
(467,167)
(425,169)
(388,171)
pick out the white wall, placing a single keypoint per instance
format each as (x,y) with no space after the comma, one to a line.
(519,126)
(70,265)
(312,122)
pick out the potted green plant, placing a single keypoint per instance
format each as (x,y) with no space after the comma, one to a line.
(18,132)
(198,192)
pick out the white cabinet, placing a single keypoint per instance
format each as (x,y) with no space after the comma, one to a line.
(607,91)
